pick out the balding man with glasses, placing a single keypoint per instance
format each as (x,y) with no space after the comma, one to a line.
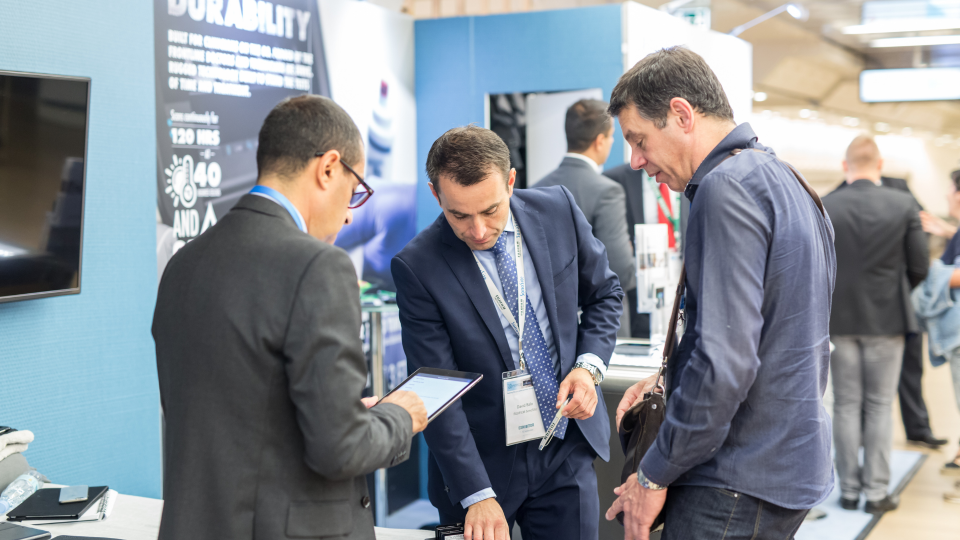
(259,358)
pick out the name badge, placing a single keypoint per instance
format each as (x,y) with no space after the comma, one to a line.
(520,408)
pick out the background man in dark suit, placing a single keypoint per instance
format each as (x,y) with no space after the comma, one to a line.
(913,408)
(632,183)
(881,255)
(259,358)
(450,321)
(589,132)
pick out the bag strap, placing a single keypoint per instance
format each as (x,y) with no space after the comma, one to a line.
(677,315)
(796,174)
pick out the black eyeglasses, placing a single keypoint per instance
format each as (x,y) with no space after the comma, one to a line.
(363,191)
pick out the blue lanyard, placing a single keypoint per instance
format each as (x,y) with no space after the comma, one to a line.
(278,198)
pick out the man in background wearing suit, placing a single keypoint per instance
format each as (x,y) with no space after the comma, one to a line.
(589,130)
(450,320)
(632,183)
(913,408)
(259,357)
(881,255)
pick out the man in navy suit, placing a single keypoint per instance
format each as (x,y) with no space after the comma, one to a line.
(450,320)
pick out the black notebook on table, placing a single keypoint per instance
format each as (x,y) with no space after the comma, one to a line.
(45,504)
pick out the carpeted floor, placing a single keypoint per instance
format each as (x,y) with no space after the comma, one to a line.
(843,524)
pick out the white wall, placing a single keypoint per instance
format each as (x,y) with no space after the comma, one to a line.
(817,150)
(647,30)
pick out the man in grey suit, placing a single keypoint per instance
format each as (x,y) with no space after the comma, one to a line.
(589,130)
(259,358)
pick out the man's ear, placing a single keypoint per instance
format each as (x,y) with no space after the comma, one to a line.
(846,168)
(880,164)
(599,142)
(685,115)
(325,167)
(435,194)
(511,181)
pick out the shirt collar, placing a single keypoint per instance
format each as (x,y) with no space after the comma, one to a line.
(593,164)
(509,226)
(741,137)
(277,197)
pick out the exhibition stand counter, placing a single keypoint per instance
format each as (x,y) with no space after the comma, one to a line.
(138,518)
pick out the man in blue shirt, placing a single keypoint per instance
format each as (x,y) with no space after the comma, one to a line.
(745,446)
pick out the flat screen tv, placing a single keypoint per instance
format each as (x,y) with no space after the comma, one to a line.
(43,154)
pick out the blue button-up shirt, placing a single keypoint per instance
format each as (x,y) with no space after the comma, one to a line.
(744,407)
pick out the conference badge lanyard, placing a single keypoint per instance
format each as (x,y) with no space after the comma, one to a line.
(520,407)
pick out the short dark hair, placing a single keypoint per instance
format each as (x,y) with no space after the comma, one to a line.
(299,127)
(467,155)
(664,75)
(586,119)
(955,176)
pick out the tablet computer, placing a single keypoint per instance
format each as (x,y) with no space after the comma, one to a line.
(438,388)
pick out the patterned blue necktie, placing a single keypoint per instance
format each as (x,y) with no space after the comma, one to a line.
(535,351)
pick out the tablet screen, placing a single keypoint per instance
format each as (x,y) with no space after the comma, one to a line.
(435,390)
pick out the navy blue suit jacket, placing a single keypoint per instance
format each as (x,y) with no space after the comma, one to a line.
(449,321)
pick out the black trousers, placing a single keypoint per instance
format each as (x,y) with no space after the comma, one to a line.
(916,420)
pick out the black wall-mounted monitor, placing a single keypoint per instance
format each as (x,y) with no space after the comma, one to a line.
(44,121)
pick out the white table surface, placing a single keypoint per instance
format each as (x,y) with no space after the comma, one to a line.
(138,518)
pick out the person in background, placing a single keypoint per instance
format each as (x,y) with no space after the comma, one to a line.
(632,183)
(589,130)
(458,289)
(913,408)
(947,321)
(261,368)
(881,255)
(760,265)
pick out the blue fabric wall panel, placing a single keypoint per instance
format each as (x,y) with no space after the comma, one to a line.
(80,370)
(460,60)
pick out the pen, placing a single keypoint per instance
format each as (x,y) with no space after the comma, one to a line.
(553,425)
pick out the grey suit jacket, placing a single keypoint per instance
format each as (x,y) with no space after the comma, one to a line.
(261,370)
(603,202)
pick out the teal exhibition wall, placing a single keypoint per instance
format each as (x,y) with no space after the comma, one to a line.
(460,60)
(79,371)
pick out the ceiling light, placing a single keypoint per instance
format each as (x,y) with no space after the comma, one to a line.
(797,11)
(906,131)
(916,41)
(760,96)
(850,121)
(882,127)
(901,25)
(805,113)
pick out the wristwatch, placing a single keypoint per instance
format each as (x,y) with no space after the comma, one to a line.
(594,372)
(647,483)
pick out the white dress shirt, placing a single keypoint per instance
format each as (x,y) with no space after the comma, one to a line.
(596,166)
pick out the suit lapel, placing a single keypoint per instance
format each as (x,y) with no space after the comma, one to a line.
(464,267)
(535,239)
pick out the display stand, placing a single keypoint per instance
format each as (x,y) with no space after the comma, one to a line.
(375,313)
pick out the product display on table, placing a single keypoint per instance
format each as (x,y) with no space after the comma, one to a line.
(9,531)
(45,505)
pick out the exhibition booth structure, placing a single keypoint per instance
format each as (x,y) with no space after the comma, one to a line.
(217,70)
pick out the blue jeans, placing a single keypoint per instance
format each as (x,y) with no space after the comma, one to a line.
(705,513)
